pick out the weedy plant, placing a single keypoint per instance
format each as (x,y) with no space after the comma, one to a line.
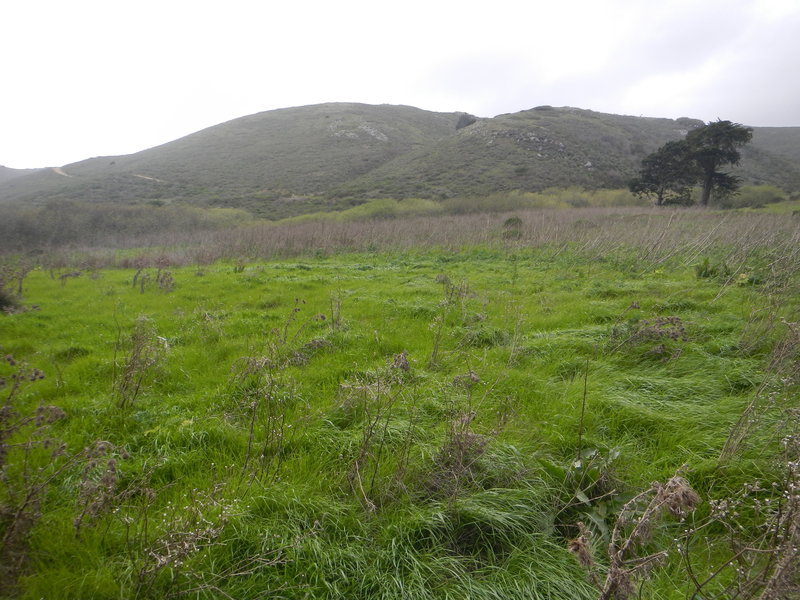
(13,272)
(705,268)
(165,280)
(186,529)
(628,558)
(263,398)
(512,228)
(761,524)
(263,394)
(455,296)
(142,277)
(591,491)
(64,277)
(145,351)
(30,458)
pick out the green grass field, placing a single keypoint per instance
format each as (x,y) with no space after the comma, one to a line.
(418,423)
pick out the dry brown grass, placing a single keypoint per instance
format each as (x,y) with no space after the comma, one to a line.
(656,236)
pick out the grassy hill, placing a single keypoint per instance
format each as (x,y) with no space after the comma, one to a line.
(298,160)
(783,141)
(249,162)
(7,174)
(558,147)
(529,150)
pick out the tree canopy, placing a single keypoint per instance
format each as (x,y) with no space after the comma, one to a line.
(713,146)
(668,174)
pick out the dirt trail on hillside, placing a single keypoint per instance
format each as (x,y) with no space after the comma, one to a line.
(148,178)
(60,171)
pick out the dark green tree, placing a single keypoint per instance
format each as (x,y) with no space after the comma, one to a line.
(667,175)
(713,146)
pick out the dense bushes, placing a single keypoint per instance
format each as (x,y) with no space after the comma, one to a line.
(90,224)
(754,196)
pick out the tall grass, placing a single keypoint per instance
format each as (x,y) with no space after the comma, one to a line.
(652,235)
(333,424)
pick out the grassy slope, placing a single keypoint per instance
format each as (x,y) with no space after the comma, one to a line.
(7,174)
(529,150)
(779,140)
(526,322)
(553,147)
(298,160)
(253,160)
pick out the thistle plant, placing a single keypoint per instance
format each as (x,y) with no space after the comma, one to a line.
(146,349)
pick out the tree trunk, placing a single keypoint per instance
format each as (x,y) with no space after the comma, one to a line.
(708,184)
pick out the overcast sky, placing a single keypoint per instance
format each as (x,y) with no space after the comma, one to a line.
(86,78)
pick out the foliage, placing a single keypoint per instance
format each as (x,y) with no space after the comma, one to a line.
(76,223)
(713,146)
(754,196)
(8,299)
(668,174)
(13,271)
(705,268)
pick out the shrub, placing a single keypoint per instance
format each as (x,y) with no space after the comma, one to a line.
(707,269)
(12,275)
(8,302)
(484,336)
(512,228)
(754,196)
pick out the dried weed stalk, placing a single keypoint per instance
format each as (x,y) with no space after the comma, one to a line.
(31,460)
(263,398)
(632,531)
(187,529)
(98,489)
(377,401)
(12,275)
(455,465)
(761,525)
(146,350)
(783,369)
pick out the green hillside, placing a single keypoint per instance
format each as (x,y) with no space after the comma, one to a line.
(250,161)
(529,150)
(557,147)
(7,174)
(784,141)
(298,160)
